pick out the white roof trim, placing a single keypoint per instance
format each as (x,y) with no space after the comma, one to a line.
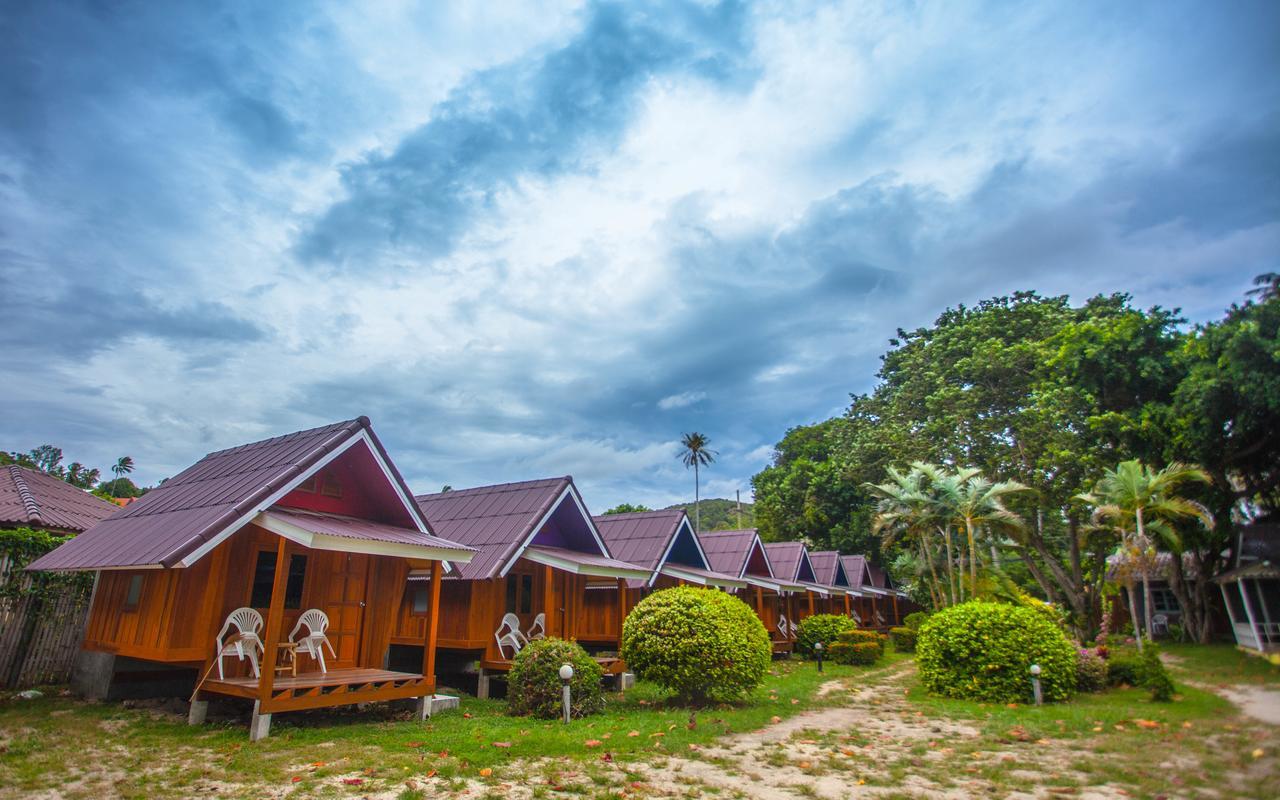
(342,544)
(577,568)
(679,572)
(569,491)
(684,523)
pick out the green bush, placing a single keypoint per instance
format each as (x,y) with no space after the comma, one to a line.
(984,651)
(904,639)
(821,628)
(860,636)
(534,685)
(1124,667)
(700,644)
(859,653)
(1155,678)
(915,619)
(1091,671)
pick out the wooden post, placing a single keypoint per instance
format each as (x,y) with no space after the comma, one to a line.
(760,603)
(847,605)
(433,625)
(896,618)
(548,600)
(810,603)
(622,609)
(275,619)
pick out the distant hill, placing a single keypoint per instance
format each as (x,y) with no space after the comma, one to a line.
(721,515)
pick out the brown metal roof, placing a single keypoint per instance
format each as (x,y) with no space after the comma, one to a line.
(879,578)
(29,497)
(827,568)
(855,567)
(641,538)
(788,560)
(215,495)
(499,520)
(729,551)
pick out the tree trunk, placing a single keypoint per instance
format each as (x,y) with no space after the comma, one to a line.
(973,558)
(935,589)
(697,500)
(1146,569)
(1133,613)
(951,575)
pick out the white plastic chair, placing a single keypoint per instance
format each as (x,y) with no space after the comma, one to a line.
(880,620)
(538,630)
(795,629)
(512,637)
(784,627)
(313,644)
(1160,624)
(856,618)
(244,625)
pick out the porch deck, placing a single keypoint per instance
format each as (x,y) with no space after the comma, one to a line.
(320,689)
(611,665)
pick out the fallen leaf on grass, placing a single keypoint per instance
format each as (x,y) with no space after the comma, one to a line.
(634,733)
(1118,727)
(805,765)
(1097,729)
(317,764)
(413,744)
(606,736)
(775,720)
(502,744)
(467,715)
(353,781)
(295,779)
(1146,723)
(1258,753)
(655,735)
(592,743)
(486,772)
(430,774)
(794,701)
(606,757)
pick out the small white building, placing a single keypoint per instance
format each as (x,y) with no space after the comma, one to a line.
(1251,591)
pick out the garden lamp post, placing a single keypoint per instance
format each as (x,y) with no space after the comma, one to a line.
(1035,683)
(817,650)
(566,674)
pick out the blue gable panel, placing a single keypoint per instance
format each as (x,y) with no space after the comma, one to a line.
(567,528)
(806,570)
(685,550)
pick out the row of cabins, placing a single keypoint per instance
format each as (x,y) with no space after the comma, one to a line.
(322,519)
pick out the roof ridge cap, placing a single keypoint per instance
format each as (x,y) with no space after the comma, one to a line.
(29,502)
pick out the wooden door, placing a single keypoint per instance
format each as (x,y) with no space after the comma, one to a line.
(348,580)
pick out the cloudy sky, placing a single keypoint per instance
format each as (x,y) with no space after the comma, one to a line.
(532,242)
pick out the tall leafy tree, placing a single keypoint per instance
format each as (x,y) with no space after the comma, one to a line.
(695,452)
(975,502)
(906,510)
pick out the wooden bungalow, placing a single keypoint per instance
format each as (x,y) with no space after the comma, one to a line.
(892,598)
(742,554)
(662,542)
(867,601)
(830,573)
(538,556)
(790,561)
(316,525)
(1251,590)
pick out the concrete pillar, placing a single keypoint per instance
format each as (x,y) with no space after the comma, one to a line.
(259,724)
(91,674)
(482,687)
(626,680)
(423,709)
(199,711)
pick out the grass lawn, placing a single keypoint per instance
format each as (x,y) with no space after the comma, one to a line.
(48,743)
(1221,664)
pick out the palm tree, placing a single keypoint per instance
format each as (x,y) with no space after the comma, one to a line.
(122,467)
(696,454)
(1139,502)
(905,509)
(974,501)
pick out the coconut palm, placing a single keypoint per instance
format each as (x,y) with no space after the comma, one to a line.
(1142,504)
(904,509)
(122,467)
(974,502)
(695,453)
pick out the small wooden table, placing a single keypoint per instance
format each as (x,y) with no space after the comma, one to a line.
(287,658)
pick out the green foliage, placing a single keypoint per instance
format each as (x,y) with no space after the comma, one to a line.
(915,619)
(1091,671)
(628,508)
(984,651)
(118,487)
(1124,668)
(861,636)
(1155,678)
(700,644)
(534,685)
(719,514)
(904,639)
(855,653)
(823,628)
(24,545)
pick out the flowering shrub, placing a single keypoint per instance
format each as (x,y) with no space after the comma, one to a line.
(859,653)
(821,628)
(984,651)
(699,643)
(1091,671)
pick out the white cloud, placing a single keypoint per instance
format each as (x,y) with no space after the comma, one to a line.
(681,400)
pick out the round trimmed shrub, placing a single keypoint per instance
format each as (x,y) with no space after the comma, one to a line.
(534,685)
(904,639)
(984,651)
(915,619)
(825,628)
(701,644)
(1124,668)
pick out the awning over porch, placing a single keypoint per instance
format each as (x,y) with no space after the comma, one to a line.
(579,563)
(702,577)
(320,531)
(825,591)
(773,584)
